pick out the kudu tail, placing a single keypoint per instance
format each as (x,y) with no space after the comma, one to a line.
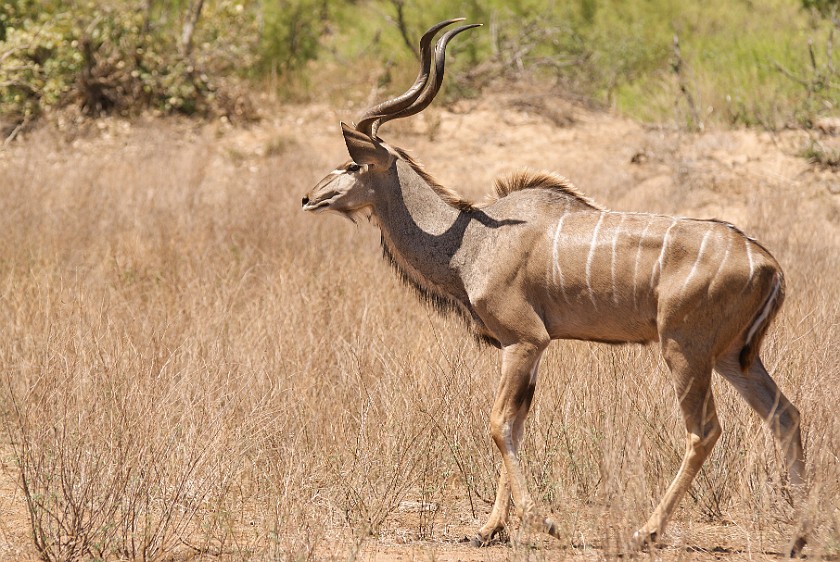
(761,321)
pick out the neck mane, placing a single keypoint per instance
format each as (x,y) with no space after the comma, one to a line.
(517,181)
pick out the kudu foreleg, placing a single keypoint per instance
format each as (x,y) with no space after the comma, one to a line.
(513,399)
(498,517)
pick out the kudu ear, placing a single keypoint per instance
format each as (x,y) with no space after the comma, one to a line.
(363,149)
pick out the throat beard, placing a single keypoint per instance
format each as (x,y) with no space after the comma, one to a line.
(356,215)
(441,302)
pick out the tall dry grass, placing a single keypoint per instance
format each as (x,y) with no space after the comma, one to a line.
(191,365)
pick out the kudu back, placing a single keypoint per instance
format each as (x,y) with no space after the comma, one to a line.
(543,262)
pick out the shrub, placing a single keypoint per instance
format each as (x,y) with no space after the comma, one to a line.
(121,56)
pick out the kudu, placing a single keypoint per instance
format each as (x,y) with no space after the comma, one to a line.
(542,262)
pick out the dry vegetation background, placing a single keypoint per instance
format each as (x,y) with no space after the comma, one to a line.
(192,367)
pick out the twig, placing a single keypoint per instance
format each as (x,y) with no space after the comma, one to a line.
(13,50)
(13,135)
(9,53)
(218,551)
(829,46)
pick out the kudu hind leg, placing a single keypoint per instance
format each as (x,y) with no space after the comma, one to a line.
(760,391)
(694,391)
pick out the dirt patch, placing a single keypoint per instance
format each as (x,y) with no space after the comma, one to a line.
(15,537)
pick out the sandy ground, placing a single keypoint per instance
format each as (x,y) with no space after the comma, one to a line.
(15,538)
(621,164)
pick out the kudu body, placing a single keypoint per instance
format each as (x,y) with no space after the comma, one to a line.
(542,262)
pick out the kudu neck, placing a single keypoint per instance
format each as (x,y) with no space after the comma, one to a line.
(407,201)
(423,235)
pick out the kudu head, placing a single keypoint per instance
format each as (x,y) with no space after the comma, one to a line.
(350,188)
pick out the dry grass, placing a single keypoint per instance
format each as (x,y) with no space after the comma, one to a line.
(192,366)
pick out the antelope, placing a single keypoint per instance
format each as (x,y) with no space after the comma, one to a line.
(543,262)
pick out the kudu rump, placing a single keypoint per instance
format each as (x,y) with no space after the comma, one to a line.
(543,262)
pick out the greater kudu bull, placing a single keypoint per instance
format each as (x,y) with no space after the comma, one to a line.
(542,262)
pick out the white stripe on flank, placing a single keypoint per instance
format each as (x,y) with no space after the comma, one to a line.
(697,261)
(765,311)
(557,273)
(592,247)
(613,260)
(725,256)
(661,259)
(750,258)
(638,259)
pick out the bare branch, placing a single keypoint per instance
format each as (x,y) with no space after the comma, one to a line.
(9,53)
(829,47)
(17,84)
(147,15)
(790,74)
(14,50)
(399,6)
(677,66)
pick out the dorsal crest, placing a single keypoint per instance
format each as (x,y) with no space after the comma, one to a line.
(529,179)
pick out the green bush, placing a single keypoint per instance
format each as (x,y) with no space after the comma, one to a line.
(739,63)
(291,34)
(119,56)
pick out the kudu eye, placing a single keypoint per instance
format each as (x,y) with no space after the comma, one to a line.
(353,167)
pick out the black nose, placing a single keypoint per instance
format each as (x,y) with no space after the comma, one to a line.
(304,201)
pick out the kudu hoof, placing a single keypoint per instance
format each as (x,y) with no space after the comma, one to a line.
(495,537)
(797,546)
(642,540)
(552,528)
